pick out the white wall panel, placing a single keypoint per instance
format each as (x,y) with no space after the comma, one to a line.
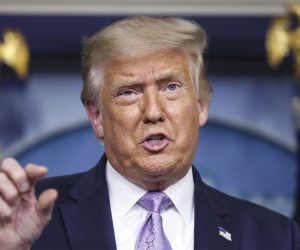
(131,7)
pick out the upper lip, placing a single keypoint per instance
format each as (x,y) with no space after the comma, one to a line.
(158,135)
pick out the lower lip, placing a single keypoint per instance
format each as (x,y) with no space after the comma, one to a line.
(156,146)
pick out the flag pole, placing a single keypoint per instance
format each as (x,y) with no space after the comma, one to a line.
(282,39)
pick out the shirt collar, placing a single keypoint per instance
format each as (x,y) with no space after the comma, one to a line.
(124,194)
(182,195)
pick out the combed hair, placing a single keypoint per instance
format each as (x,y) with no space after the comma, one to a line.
(138,36)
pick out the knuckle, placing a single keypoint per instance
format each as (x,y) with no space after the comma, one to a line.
(12,196)
(6,212)
(6,215)
(18,176)
(7,189)
(2,177)
(7,163)
(20,180)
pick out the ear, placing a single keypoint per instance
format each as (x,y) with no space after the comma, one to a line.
(95,116)
(202,112)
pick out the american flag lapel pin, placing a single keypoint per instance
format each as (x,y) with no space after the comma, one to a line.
(226,235)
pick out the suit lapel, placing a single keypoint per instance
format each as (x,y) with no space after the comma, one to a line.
(87,214)
(88,220)
(210,215)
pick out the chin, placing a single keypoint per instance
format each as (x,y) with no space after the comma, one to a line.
(159,163)
(159,177)
(157,172)
(156,185)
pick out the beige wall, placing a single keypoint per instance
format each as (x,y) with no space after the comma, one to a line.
(131,7)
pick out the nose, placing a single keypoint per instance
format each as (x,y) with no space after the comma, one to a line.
(152,106)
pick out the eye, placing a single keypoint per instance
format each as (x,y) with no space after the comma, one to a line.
(126,92)
(128,96)
(171,87)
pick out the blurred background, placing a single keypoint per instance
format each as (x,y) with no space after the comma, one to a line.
(249,146)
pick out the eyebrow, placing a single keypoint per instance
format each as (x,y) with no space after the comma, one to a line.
(127,83)
(168,74)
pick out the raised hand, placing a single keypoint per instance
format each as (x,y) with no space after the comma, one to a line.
(22,215)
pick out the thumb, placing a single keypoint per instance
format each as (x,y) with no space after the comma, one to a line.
(46,203)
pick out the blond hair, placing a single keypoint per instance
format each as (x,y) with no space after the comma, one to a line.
(137,36)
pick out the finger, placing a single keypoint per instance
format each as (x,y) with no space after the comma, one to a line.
(8,190)
(35,172)
(5,212)
(46,203)
(16,174)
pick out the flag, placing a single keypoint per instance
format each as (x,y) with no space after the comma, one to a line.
(224,234)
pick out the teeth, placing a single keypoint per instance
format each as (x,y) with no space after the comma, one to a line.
(154,141)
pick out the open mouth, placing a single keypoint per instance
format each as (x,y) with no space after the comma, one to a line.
(154,139)
(155,142)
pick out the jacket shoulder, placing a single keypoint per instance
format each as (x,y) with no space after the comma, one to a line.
(261,223)
(63,184)
(242,207)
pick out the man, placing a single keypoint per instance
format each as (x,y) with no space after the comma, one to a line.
(146,96)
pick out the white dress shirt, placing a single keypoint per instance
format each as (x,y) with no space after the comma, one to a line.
(128,216)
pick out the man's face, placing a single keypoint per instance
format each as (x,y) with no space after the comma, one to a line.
(149,117)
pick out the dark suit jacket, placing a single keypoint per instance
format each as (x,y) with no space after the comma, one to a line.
(82,218)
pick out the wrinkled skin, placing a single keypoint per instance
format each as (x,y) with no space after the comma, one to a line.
(142,97)
(22,216)
(149,116)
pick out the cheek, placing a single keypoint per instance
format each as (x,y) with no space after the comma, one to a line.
(119,119)
(186,120)
(187,114)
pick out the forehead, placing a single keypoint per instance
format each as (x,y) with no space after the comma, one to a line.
(158,65)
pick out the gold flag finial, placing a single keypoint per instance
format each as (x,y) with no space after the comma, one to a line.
(282,38)
(14,52)
(294,8)
(277,41)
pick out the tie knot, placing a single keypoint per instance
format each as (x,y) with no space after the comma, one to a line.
(155,201)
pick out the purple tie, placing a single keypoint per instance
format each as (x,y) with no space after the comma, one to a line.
(152,236)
